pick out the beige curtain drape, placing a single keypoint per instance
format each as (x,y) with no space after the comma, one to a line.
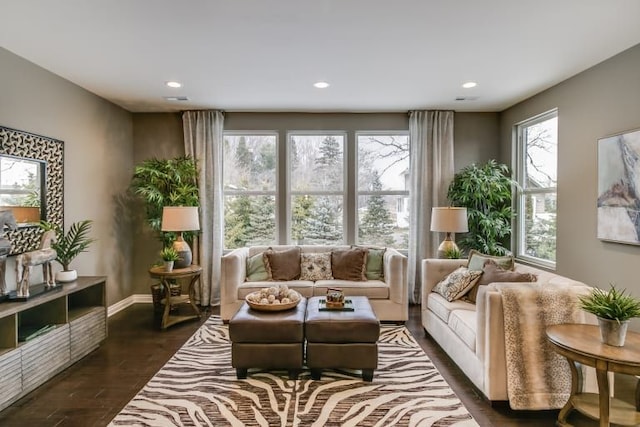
(203,141)
(431,139)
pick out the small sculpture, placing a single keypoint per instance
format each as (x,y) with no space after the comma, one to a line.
(8,221)
(42,256)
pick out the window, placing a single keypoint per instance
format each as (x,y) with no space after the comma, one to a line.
(383,189)
(250,193)
(537,148)
(316,188)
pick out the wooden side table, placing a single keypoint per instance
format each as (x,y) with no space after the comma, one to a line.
(581,343)
(191,272)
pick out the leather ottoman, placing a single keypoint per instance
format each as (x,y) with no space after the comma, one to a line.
(269,340)
(342,339)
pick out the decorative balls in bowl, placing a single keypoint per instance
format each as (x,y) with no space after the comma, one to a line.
(275,298)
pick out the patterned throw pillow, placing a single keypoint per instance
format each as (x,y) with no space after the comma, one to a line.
(256,270)
(477,259)
(315,266)
(457,283)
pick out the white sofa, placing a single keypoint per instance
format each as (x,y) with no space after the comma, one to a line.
(388,297)
(473,334)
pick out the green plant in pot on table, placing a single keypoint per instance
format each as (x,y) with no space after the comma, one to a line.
(614,308)
(69,245)
(169,255)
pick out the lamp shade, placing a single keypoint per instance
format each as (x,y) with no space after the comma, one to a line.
(449,220)
(180,218)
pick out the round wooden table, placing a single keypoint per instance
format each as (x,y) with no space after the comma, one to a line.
(581,343)
(191,272)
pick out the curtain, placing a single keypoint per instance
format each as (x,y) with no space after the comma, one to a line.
(431,147)
(203,141)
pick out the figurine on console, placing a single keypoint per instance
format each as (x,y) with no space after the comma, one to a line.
(42,256)
(7,223)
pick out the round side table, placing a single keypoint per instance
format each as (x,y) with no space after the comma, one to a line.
(192,273)
(581,343)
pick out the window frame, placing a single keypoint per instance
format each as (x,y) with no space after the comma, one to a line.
(522,191)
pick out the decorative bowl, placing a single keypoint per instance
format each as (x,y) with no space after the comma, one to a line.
(270,307)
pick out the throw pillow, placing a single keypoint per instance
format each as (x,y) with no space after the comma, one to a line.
(256,270)
(477,259)
(283,265)
(492,272)
(375,265)
(349,264)
(315,266)
(457,283)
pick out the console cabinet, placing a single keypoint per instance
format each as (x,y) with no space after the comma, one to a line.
(45,334)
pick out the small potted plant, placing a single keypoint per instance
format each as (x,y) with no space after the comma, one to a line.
(613,308)
(69,245)
(453,253)
(169,255)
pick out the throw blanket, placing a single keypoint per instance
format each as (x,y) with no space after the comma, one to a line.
(537,377)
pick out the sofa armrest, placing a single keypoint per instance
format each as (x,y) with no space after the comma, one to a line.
(232,274)
(395,275)
(434,270)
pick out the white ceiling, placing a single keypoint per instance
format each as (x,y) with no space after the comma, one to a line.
(264,55)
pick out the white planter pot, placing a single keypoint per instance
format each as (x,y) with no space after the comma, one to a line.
(613,332)
(168,265)
(66,276)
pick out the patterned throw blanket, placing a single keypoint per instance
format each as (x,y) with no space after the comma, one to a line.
(537,377)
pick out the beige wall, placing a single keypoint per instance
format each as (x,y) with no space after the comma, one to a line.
(600,101)
(98,148)
(476,138)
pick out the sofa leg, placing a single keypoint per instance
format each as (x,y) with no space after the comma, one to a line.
(293,374)
(241,373)
(367,375)
(316,374)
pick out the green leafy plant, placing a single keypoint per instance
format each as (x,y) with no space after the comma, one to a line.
(612,304)
(69,245)
(453,253)
(168,253)
(486,193)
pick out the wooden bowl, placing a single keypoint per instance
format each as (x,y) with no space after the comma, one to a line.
(271,307)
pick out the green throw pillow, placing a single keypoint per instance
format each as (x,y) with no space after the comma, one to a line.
(256,270)
(375,266)
(477,259)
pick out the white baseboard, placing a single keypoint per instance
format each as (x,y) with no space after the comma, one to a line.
(127,302)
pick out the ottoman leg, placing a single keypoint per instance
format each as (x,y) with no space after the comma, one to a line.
(293,374)
(367,375)
(241,373)
(316,374)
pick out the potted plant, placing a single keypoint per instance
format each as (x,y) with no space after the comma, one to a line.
(69,245)
(486,193)
(613,308)
(169,255)
(453,253)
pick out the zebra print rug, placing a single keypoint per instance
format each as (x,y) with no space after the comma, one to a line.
(198,387)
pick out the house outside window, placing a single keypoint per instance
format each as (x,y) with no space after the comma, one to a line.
(383,189)
(536,200)
(250,171)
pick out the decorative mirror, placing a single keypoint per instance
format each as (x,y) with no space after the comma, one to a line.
(31,184)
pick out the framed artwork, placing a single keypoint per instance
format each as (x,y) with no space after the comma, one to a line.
(619,188)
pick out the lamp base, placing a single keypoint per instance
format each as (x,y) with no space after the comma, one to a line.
(184,252)
(447,246)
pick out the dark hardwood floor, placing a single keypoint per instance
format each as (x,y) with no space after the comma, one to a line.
(95,389)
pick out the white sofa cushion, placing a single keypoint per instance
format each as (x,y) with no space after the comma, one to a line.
(463,323)
(373,289)
(443,308)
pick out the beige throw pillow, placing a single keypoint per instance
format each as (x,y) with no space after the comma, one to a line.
(315,266)
(349,264)
(283,265)
(457,283)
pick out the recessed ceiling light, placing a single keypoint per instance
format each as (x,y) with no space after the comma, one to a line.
(176,98)
(174,84)
(321,85)
(469,85)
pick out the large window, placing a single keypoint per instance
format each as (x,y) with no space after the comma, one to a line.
(383,189)
(250,190)
(316,188)
(537,148)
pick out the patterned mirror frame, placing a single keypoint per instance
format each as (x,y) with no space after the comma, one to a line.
(30,146)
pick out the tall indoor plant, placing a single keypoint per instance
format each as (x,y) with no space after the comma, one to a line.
(69,245)
(165,182)
(486,193)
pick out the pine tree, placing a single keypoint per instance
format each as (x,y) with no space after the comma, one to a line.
(377,225)
(322,225)
(262,219)
(237,222)
(302,208)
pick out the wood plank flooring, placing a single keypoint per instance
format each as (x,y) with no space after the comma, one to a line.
(95,389)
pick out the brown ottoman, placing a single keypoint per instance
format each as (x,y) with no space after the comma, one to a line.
(342,339)
(270,340)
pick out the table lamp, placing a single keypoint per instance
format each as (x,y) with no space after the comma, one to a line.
(448,220)
(179,219)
